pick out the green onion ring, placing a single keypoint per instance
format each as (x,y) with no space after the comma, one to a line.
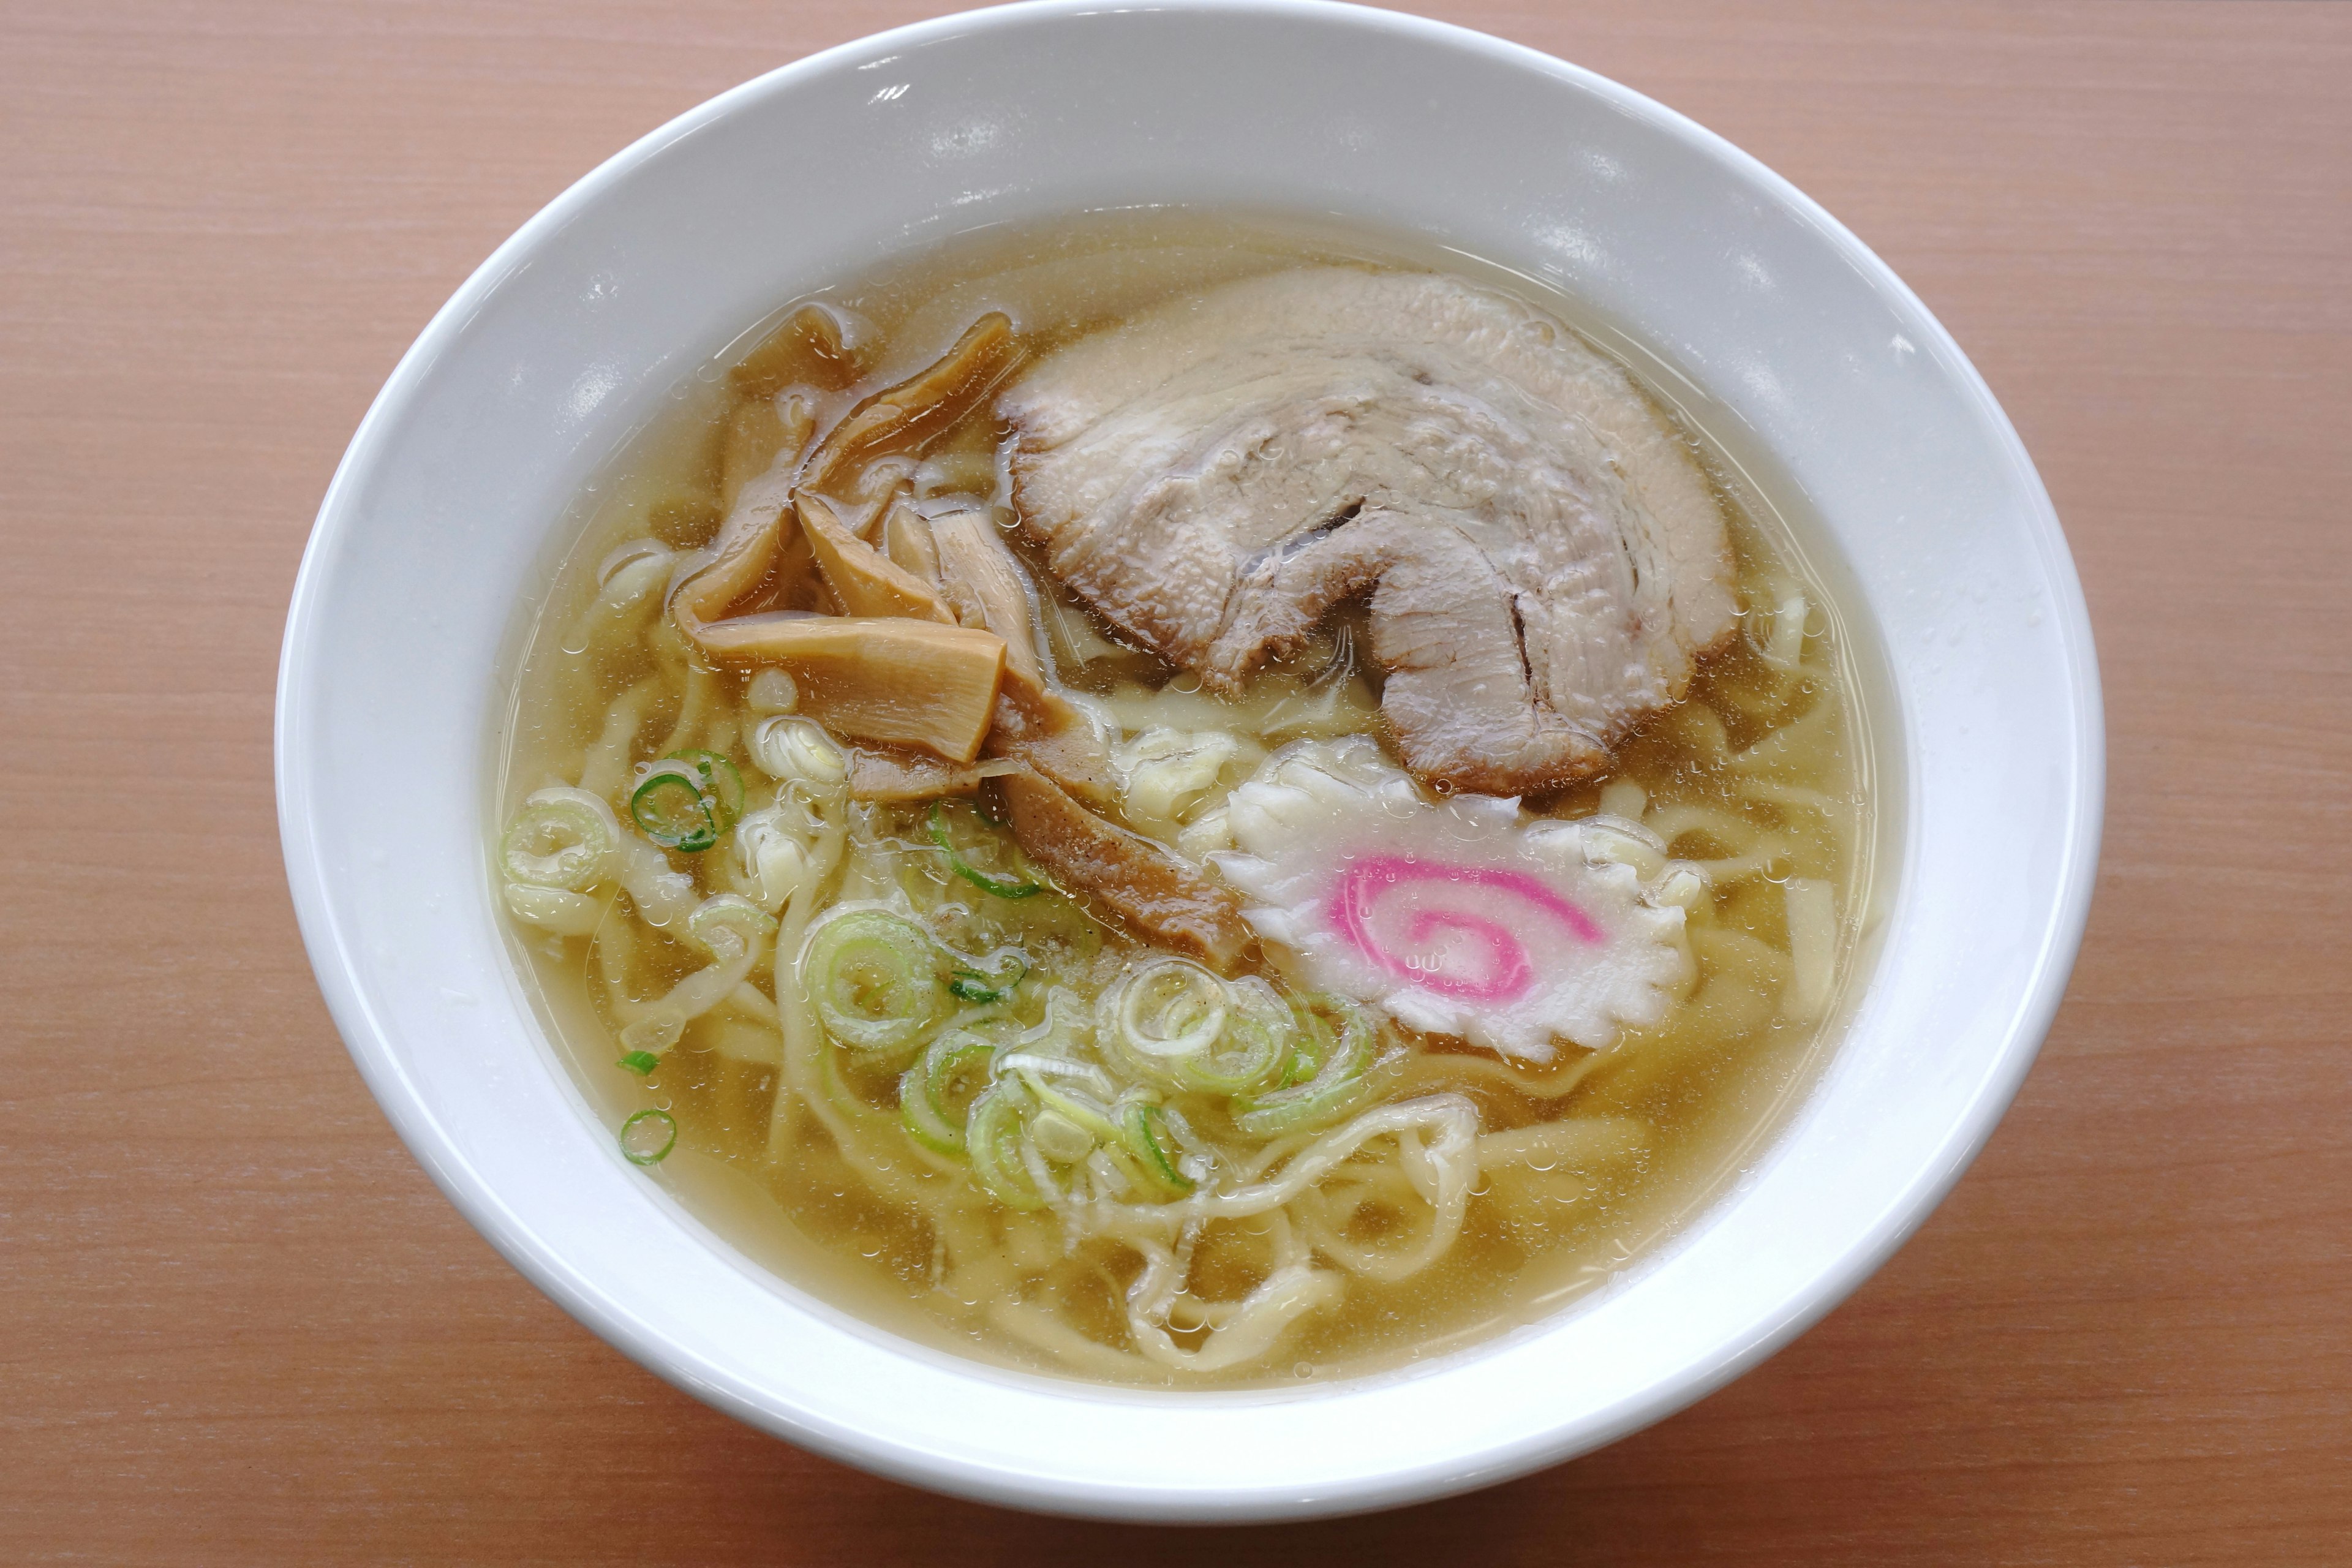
(673,806)
(734,914)
(1339,1082)
(721,783)
(924,1089)
(874,979)
(1012,967)
(1180,1024)
(1143,1129)
(562,838)
(992,1138)
(1310,1043)
(1256,1040)
(1004,887)
(661,1122)
(1092,1120)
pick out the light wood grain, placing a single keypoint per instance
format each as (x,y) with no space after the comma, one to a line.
(241,1327)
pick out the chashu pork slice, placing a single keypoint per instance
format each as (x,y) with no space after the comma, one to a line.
(1545,559)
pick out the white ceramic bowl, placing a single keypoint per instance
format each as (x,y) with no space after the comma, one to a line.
(1794,345)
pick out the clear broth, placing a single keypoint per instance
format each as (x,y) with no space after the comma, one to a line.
(1704,1087)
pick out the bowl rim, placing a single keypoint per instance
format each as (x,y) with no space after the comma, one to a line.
(371,1049)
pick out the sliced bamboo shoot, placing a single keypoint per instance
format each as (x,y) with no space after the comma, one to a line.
(907,539)
(983,580)
(867,582)
(909,682)
(810,346)
(748,543)
(756,434)
(924,404)
(983,584)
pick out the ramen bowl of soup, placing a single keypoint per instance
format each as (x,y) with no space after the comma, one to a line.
(1228,762)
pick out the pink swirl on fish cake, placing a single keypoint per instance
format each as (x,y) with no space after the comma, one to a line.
(1509,973)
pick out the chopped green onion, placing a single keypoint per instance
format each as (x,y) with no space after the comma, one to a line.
(1339,1082)
(648,1137)
(732,916)
(992,1138)
(1143,1129)
(971,986)
(721,781)
(1059,1138)
(927,1090)
(1088,1118)
(1045,1064)
(874,978)
(1014,883)
(1167,1011)
(1256,1038)
(674,808)
(976,985)
(641,1063)
(561,837)
(1310,1042)
(799,753)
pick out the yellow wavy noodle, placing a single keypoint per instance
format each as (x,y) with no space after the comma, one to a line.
(1436,1070)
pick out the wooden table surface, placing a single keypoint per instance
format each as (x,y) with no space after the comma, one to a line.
(237,1324)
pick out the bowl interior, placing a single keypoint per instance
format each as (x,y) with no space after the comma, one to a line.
(1797,350)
